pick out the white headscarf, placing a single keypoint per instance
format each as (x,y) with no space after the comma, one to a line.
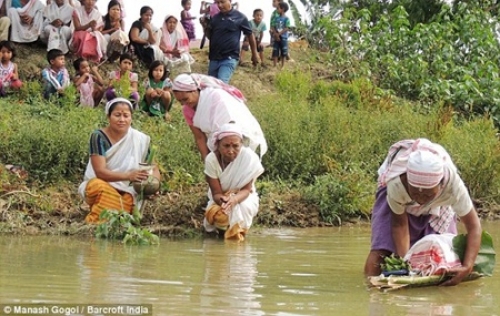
(193,82)
(116,100)
(425,169)
(229,129)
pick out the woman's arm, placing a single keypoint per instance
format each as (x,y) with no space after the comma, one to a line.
(102,172)
(229,201)
(201,141)
(134,36)
(474,230)
(216,190)
(400,233)
(15,73)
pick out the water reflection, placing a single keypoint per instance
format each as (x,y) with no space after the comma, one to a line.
(229,282)
(274,272)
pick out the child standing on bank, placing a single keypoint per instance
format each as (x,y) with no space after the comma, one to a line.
(187,19)
(116,83)
(258,27)
(9,77)
(280,33)
(56,75)
(158,99)
(274,15)
(88,82)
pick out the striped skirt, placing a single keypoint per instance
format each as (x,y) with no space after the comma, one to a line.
(100,195)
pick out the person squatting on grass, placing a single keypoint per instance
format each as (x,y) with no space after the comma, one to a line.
(9,76)
(419,193)
(88,82)
(231,171)
(115,153)
(117,82)
(208,103)
(55,76)
(158,99)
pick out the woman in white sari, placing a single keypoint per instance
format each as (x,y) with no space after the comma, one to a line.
(175,44)
(145,38)
(231,171)
(87,41)
(26,18)
(113,31)
(115,154)
(56,32)
(209,103)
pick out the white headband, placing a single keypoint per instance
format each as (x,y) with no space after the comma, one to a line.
(117,100)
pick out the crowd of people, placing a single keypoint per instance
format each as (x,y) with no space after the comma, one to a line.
(419,189)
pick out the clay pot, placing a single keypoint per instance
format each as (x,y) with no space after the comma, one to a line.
(147,187)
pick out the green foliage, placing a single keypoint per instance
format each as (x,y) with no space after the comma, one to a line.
(122,226)
(347,93)
(452,58)
(485,261)
(123,86)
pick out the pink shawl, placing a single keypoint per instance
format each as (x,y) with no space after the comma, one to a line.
(171,41)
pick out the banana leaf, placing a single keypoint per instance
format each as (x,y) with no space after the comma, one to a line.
(485,261)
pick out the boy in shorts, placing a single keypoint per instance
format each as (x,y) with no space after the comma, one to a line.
(258,27)
(280,34)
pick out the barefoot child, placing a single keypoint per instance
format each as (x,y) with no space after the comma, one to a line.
(158,99)
(9,77)
(258,27)
(187,19)
(280,33)
(116,87)
(88,82)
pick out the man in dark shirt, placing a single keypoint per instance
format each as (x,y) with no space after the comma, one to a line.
(224,32)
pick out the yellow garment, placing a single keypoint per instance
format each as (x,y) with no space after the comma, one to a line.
(100,195)
(215,216)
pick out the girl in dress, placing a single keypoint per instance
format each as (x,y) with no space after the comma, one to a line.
(88,82)
(187,19)
(9,77)
(158,99)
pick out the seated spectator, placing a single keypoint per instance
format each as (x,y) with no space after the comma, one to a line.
(175,44)
(89,83)
(88,41)
(9,77)
(56,75)
(26,18)
(145,38)
(4,21)
(113,31)
(124,82)
(56,32)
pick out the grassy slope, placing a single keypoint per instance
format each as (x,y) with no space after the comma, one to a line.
(60,210)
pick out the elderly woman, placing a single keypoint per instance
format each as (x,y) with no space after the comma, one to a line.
(209,103)
(115,154)
(88,41)
(56,32)
(231,171)
(145,38)
(113,31)
(419,193)
(26,19)
(175,44)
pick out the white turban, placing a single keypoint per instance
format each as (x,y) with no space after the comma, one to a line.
(425,169)
(229,129)
(116,100)
(185,83)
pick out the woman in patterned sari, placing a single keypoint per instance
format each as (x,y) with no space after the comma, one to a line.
(115,153)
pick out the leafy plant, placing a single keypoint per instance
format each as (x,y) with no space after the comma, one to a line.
(485,261)
(122,225)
